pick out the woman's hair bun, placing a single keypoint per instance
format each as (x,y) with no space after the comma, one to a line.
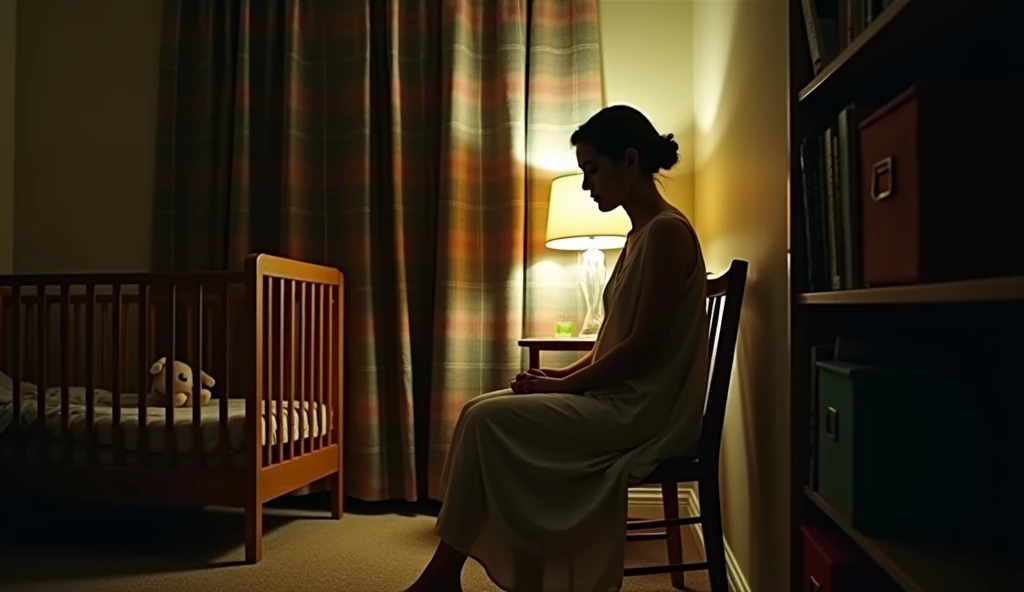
(667,155)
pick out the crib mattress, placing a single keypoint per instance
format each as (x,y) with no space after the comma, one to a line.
(306,418)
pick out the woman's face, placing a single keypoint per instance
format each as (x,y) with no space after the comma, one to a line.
(609,183)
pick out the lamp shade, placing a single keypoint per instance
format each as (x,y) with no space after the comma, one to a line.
(575,223)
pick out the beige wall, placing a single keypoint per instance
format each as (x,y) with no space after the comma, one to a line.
(85,128)
(647,61)
(740,86)
(8,16)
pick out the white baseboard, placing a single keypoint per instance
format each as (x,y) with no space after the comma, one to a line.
(645,502)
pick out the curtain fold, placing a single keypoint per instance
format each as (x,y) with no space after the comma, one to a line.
(408,143)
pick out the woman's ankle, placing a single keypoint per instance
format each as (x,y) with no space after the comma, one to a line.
(450,557)
(444,571)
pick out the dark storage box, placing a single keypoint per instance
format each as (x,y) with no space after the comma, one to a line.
(890,440)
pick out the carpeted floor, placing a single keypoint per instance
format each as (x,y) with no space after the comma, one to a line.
(374,548)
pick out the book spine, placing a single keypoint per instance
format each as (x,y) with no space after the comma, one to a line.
(830,209)
(811,24)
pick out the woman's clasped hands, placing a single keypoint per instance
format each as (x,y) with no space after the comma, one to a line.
(536,380)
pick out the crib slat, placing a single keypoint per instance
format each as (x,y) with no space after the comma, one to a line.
(41,409)
(104,323)
(315,363)
(304,406)
(30,337)
(76,335)
(282,292)
(125,338)
(115,332)
(152,314)
(330,367)
(65,378)
(268,361)
(322,316)
(311,369)
(314,368)
(90,370)
(225,345)
(172,325)
(19,443)
(208,333)
(145,360)
(190,350)
(293,435)
(196,345)
(3,327)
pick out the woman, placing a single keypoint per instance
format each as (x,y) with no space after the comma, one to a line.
(535,484)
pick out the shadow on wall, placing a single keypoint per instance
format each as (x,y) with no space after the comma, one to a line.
(754,377)
(740,77)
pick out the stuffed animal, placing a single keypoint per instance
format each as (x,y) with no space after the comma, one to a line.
(181,383)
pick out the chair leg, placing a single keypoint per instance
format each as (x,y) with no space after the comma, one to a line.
(253,534)
(673,540)
(714,537)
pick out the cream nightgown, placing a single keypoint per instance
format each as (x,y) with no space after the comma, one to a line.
(535,486)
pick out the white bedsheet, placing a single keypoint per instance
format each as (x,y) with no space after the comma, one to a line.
(310,416)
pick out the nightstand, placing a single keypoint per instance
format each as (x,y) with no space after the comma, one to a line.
(539,344)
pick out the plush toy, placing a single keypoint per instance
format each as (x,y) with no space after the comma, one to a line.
(181,383)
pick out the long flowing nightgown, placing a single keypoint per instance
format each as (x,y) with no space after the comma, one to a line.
(535,486)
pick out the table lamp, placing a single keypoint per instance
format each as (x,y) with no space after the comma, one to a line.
(576,224)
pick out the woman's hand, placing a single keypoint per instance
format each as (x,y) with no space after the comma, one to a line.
(531,371)
(517,383)
(532,383)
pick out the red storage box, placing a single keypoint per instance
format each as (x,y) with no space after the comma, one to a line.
(940,189)
(832,564)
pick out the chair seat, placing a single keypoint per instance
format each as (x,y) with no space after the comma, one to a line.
(674,470)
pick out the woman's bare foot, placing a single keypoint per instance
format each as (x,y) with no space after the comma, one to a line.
(443,573)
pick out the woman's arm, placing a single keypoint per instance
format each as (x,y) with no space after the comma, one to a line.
(670,258)
(571,368)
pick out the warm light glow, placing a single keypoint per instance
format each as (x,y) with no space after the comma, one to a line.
(550,154)
(576,224)
(715,41)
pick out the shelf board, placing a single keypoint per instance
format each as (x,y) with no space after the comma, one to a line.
(929,567)
(983,290)
(903,24)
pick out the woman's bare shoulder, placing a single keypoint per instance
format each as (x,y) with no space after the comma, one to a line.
(673,242)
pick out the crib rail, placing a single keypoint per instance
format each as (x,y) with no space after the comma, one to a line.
(80,348)
(298,347)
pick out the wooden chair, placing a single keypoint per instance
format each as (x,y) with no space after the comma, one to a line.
(725,298)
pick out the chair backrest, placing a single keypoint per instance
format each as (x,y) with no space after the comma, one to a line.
(725,300)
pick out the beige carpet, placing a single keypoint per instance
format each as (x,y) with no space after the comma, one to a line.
(374,548)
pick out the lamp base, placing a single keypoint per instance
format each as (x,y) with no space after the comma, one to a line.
(593,278)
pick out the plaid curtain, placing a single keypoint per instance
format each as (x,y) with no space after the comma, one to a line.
(410,143)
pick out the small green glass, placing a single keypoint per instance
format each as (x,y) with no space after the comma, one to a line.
(563,329)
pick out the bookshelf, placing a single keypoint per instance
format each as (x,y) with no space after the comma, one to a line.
(891,46)
(922,567)
(896,31)
(1009,289)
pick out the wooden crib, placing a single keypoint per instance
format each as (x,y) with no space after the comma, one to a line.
(81,346)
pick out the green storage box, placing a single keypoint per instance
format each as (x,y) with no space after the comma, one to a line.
(893,444)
